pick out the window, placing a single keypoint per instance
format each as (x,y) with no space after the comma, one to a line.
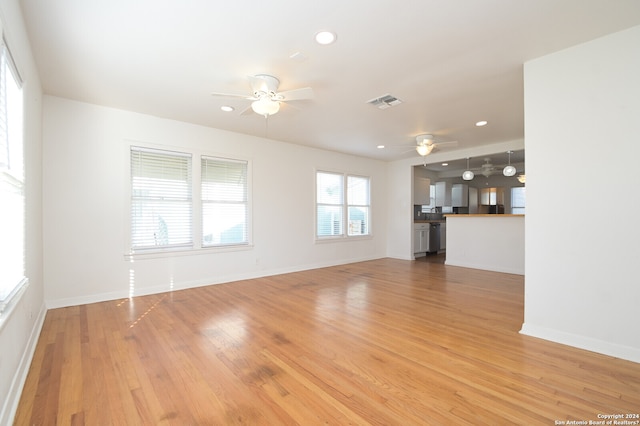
(161,202)
(518,198)
(432,200)
(176,205)
(329,204)
(12,198)
(358,205)
(334,210)
(224,202)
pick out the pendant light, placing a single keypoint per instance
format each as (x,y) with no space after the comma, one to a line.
(509,170)
(468,174)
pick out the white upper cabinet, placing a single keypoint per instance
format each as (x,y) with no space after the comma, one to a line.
(460,195)
(443,194)
(421,188)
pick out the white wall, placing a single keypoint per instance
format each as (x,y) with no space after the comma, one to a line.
(20,326)
(85,206)
(494,243)
(582,115)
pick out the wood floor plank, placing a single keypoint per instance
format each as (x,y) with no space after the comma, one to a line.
(385,342)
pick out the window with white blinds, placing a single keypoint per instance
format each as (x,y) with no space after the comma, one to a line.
(358,205)
(12,181)
(161,199)
(334,210)
(224,201)
(518,199)
(329,204)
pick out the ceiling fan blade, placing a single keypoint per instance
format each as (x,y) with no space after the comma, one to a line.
(233,95)
(446,143)
(297,94)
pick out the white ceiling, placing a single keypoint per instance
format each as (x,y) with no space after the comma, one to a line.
(452,63)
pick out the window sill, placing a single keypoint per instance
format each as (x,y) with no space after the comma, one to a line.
(160,254)
(11,301)
(342,239)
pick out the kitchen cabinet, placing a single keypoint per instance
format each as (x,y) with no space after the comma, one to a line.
(421,237)
(443,194)
(421,190)
(460,195)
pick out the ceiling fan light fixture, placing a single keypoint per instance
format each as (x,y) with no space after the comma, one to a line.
(424,149)
(265,106)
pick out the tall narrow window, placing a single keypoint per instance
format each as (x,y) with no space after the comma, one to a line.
(342,200)
(358,205)
(329,204)
(518,199)
(12,180)
(224,202)
(161,201)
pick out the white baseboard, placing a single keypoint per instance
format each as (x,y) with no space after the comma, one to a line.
(144,291)
(583,342)
(20,376)
(485,267)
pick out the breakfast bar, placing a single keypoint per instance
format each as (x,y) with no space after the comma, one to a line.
(493,242)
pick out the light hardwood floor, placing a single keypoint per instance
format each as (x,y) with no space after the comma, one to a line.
(385,342)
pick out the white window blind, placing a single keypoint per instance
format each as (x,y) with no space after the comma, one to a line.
(161,199)
(224,202)
(12,196)
(358,205)
(518,199)
(329,204)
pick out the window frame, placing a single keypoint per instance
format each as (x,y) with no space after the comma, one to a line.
(345,205)
(518,209)
(220,201)
(197,247)
(168,196)
(13,179)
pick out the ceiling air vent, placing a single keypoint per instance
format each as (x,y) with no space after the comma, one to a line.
(384,101)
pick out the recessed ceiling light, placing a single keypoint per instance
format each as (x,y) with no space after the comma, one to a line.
(325,37)
(445,164)
(227,108)
(380,146)
(481,123)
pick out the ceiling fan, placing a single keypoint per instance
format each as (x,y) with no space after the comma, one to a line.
(265,97)
(488,168)
(426,143)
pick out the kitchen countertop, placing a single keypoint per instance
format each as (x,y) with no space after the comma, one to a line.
(484,215)
(429,221)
